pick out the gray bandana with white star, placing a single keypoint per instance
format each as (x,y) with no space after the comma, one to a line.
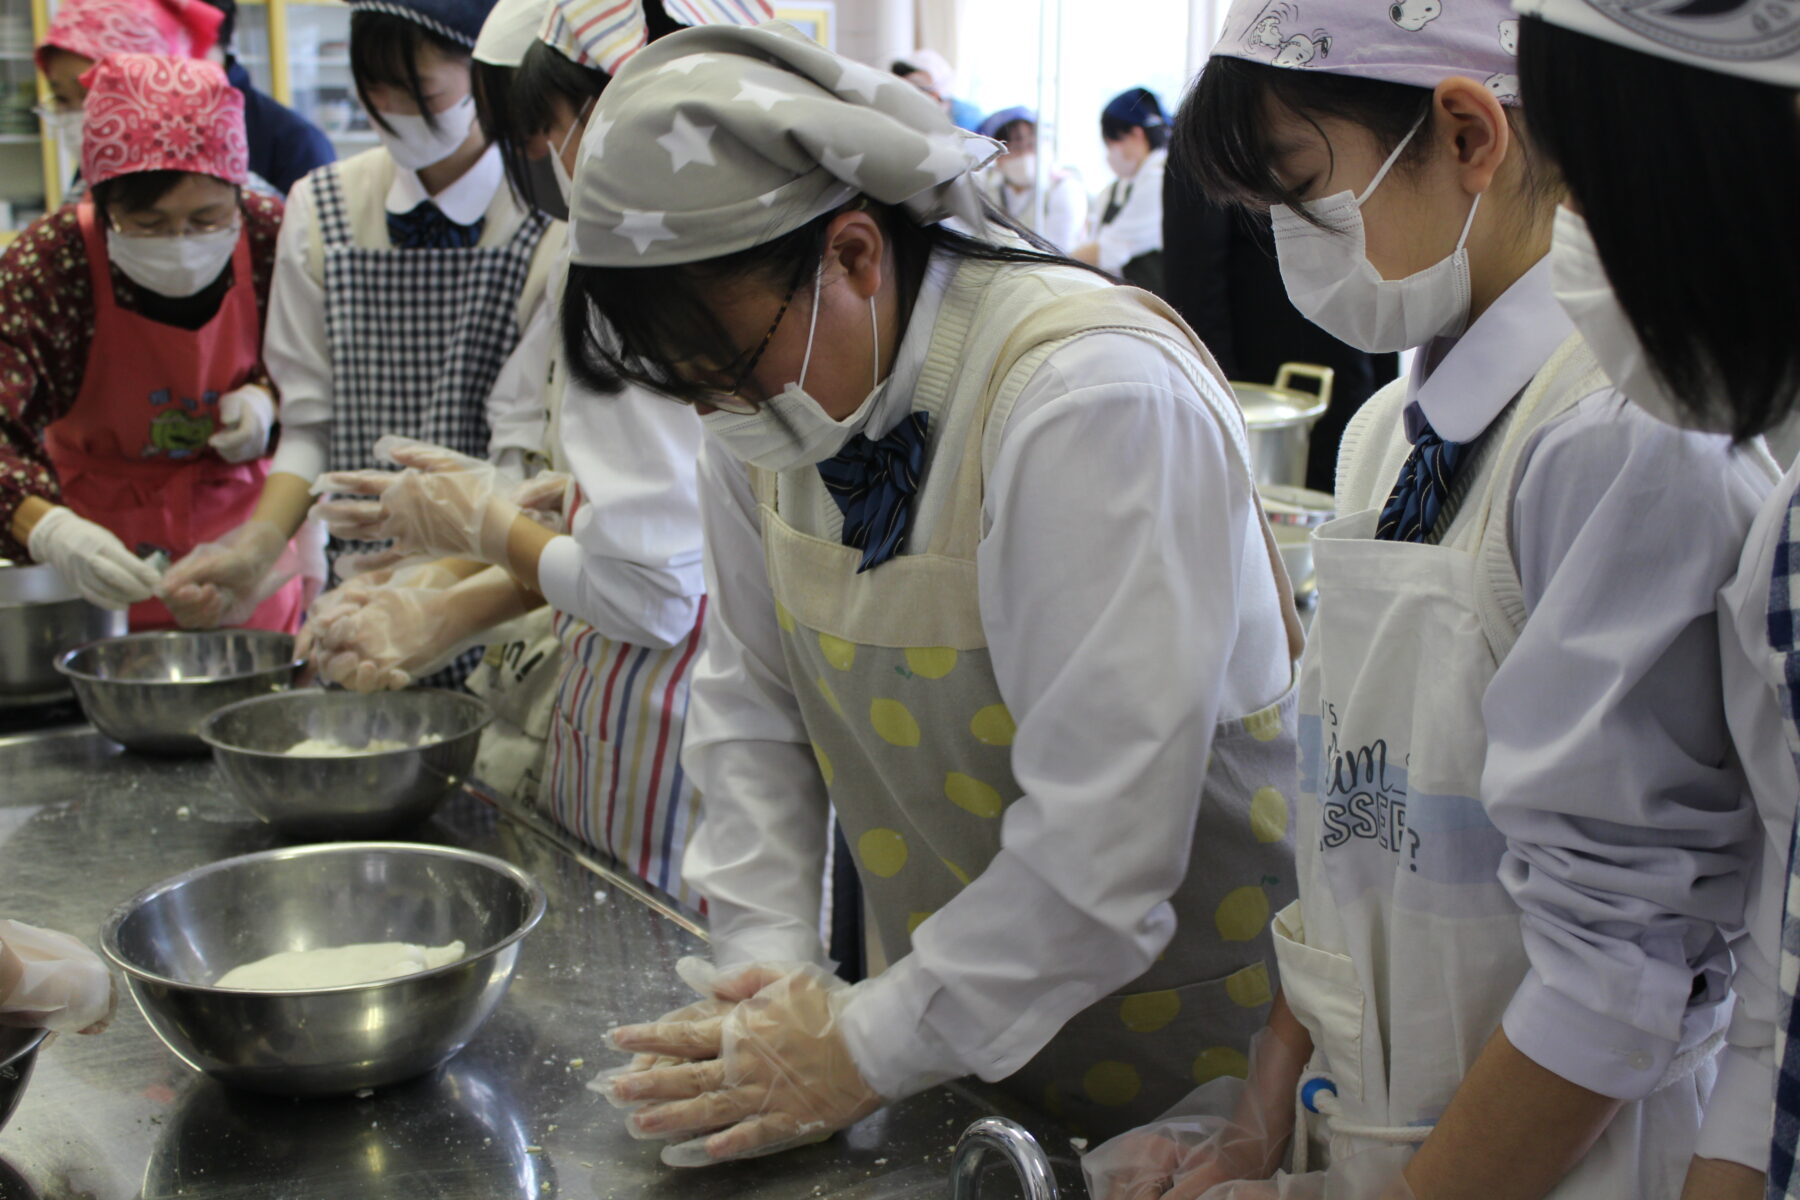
(716,139)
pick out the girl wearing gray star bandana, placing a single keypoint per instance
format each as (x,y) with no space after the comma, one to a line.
(989,579)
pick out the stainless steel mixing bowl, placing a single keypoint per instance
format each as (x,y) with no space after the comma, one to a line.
(40,617)
(174,939)
(150,691)
(364,795)
(18,1054)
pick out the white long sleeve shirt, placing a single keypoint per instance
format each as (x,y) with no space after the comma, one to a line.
(1609,767)
(1065,206)
(1126,599)
(298,352)
(1136,229)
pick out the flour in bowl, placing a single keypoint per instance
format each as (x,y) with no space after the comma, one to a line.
(338,966)
(326,748)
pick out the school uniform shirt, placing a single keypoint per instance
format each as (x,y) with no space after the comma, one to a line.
(47,332)
(1609,762)
(1093,422)
(298,352)
(1065,206)
(1136,228)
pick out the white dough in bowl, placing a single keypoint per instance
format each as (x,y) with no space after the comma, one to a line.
(325,748)
(338,966)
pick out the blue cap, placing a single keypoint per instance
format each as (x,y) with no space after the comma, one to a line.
(994,123)
(458,20)
(1139,106)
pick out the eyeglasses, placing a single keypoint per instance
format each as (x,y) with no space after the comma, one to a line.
(193,227)
(727,399)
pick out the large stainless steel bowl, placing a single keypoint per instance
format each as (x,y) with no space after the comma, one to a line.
(1294,512)
(364,795)
(40,617)
(18,1054)
(150,691)
(174,939)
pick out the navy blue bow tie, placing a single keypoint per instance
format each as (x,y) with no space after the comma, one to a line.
(873,483)
(1412,508)
(425,227)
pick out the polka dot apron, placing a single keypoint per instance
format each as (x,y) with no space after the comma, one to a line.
(913,736)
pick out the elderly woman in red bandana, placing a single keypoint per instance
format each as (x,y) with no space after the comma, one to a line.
(134,408)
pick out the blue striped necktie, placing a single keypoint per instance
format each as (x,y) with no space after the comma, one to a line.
(873,483)
(425,227)
(1413,507)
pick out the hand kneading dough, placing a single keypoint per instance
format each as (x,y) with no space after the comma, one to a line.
(337,966)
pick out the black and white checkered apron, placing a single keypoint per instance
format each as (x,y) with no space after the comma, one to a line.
(417,338)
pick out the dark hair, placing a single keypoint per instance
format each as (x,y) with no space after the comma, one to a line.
(622,324)
(384,49)
(1136,109)
(1688,180)
(227,27)
(139,190)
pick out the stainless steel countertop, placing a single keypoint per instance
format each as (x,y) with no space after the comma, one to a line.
(84,826)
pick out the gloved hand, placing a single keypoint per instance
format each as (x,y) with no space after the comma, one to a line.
(221,583)
(1373,1174)
(1225,1130)
(386,629)
(91,560)
(443,504)
(698,974)
(542,499)
(49,980)
(771,1073)
(248,414)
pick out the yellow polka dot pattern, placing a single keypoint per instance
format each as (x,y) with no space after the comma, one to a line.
(1215,1062)
(830,696)
(824,764)
(933,662)
(961,875)
(1264,726)
(1148,1012)
(1112,1083)
(1242,914)
(837,651)
(882,851)
(993,726)
(894,723)
(784,618)
(1268,815)
(1249,988)
(914,920)
(971,795)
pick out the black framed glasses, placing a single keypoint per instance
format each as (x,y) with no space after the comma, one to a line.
(728,399)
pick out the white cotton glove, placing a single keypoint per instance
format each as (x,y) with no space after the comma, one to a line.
(386,629)
(771,1073)
(442,504)
(91,560)
(1225,1130)
(221,583)
(49,980)
(248,414)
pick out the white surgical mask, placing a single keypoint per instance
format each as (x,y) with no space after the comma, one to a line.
(1020,170)
(415,145)
(1579,280)
(65,126)
(172,266)
(1330,279)
(791,430)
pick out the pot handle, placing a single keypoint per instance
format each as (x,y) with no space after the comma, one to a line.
(1322,376)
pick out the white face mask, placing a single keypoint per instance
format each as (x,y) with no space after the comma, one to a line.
(415,145)
(1020,170)
(1330,279)
(791,430)
(1579,280)
(65,127)
(172,266)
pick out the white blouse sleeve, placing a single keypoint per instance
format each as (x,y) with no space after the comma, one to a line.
(518,419)
(1610,769)
(295,348)
(1137,230)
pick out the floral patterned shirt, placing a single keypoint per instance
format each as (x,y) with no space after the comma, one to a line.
(47,330)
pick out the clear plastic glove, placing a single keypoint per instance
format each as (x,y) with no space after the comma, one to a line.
(380,632)
(698,974)
(1225,1130)
(771,1073)
(91,560)
(1372,1174)
(443,503)
(49,980)
(542,498)
(221,583)
(248,414)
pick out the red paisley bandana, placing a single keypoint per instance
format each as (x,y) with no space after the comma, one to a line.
(154,112)
(97,28)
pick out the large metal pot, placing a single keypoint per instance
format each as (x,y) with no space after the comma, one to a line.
(40,617)
(1281,418)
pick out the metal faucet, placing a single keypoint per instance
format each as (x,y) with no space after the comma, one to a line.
(1008,1138)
